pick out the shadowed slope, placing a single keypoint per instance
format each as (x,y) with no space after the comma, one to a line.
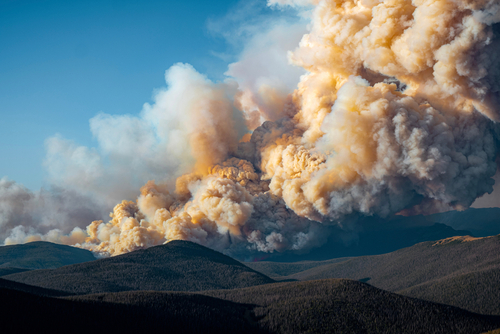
(42,255)
(175,266)
(325,306)
(414,265)
(451,264)
(345,306)
(477,291)
(9,270)
(278,270)
(11,285)
(144,312)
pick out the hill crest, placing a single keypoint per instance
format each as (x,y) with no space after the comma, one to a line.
(42,255)
(174,266)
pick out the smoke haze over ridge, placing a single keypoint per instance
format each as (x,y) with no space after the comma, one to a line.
(396,111)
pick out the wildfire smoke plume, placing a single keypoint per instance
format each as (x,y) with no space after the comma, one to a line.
(397,112)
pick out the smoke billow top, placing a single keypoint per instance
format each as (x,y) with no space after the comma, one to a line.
(396,113)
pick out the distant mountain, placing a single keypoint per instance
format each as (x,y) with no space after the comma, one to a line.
(374,235)
(42,255)
(480,222)
(175,266)
(431,270)
(280,270)
(325,306)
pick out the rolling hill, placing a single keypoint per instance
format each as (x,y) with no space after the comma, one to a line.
(477,291)
(442,271)
(346,306)
(280,270)
(148,312)
(324,306)
(42,255)
(175,266)
(11,285)
(135,292)
(9,270)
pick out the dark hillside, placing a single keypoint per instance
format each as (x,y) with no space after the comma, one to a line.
(444,270)
(477,291)
(145,312)
(326,306)
(6,284)
(9,270)
(345,306)
(175,266)
(415,265)
(42,255)
(277,270)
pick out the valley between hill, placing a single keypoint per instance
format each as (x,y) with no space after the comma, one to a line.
(137,292)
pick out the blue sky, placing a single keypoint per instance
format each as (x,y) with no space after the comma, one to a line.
(63,62)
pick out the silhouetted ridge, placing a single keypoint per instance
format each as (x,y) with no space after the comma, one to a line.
(6,284)
(42,255)
(149,312)
(174,266)
(9,270)
(346,306)
(324,306)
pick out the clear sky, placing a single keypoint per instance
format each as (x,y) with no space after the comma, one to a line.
(63,62)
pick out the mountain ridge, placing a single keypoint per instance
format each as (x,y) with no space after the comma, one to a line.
(432,263)
(176,266)
(42,255)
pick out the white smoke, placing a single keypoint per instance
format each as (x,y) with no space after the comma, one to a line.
(395,111)
(55,215)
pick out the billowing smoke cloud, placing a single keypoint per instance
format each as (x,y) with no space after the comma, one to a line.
(264,76)
(55,215)
(397,113)
(493,199)
(192,121)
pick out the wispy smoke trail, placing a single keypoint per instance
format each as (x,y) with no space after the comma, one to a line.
(397,112)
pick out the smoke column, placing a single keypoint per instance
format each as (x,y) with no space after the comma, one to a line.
(397,113)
